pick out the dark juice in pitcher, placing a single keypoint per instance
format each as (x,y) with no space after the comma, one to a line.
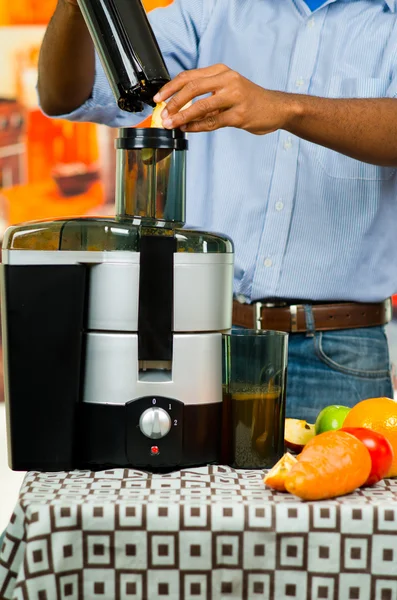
(257,426)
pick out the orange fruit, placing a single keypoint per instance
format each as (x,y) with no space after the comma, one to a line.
(275,479)
(380,415)
(332,464)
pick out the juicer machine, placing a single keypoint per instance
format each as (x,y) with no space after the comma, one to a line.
(113,327)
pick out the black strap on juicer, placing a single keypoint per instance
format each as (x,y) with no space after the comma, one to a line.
(156,298)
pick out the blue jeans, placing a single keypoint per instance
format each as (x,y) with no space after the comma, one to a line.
(336,367)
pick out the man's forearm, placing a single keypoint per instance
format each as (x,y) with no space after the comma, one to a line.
(364,129)
(67,62)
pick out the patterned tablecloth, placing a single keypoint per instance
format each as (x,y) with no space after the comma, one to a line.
(210,533)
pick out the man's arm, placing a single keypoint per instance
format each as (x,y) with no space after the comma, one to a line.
(364,129)
(69,75)
(67,62)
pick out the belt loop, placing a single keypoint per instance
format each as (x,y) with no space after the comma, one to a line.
(293,313)
(310,322)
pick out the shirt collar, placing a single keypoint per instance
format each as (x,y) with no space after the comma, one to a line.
(392,4)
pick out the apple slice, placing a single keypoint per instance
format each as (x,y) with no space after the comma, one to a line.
(297,434)
(157,121)
(275,479)
(148,154)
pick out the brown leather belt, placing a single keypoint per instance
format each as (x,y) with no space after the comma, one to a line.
(327,317)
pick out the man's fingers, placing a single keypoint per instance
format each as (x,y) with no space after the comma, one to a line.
(174,86)
(210,123)
(193,89)
(197,111)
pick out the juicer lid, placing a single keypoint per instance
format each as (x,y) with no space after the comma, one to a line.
(105,235)
(131,138)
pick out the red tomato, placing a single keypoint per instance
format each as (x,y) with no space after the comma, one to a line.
(380,450)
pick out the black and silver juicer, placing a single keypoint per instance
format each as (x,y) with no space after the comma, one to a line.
(113,327)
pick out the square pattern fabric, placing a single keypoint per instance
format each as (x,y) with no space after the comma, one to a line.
(197,534)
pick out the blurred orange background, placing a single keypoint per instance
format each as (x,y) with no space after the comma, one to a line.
(38,154)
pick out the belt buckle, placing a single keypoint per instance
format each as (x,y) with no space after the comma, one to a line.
(388,310)
(258,315)
(258,306)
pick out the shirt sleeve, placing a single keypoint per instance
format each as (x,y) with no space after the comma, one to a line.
(178,29)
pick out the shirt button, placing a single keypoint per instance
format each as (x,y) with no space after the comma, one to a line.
(268,263)
(311,23)
(300,82)
(279,206)
(288,144)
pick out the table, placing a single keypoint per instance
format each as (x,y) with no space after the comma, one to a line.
(198,534)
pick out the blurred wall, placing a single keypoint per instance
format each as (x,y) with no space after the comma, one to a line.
(48,168)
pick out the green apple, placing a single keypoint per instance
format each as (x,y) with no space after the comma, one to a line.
(331,418)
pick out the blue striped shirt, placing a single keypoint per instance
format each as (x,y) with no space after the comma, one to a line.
(307,222)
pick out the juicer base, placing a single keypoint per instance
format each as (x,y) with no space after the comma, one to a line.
(104,432)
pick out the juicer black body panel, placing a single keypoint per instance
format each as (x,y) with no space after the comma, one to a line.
(43,317)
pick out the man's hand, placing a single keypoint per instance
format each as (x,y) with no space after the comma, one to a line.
(362,128)
(234,101)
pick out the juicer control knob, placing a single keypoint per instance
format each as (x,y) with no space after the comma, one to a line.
(155,423)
